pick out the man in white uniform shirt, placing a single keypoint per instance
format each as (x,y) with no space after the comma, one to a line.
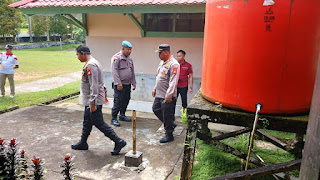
(8,62)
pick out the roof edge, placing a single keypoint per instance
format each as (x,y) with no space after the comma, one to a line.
(20,3)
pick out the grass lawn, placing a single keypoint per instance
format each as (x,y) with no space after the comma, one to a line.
(33,98)
(46,62)
(212,162)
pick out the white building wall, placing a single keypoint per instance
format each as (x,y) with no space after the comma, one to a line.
(107,31)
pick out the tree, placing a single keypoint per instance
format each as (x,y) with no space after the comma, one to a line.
(58,26)
(10,19)
(40,25)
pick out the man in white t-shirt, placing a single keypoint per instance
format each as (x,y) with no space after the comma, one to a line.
(8,62)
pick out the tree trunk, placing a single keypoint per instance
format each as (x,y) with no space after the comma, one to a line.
(48,36)
(30,28)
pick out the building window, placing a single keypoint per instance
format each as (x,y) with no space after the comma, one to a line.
(174,24)
(159,22)
(190,22)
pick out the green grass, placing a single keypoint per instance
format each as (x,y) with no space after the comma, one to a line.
(212,162)
(46,62)
(33,98)
(279,134)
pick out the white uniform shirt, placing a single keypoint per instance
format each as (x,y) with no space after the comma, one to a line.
(8,61)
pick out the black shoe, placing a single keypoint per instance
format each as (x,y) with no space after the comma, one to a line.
(174,125)
(80,146)
(168,138)
(118,146)
(124,118)
(115,122)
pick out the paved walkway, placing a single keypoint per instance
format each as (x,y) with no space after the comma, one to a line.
(48,131)
(46,84)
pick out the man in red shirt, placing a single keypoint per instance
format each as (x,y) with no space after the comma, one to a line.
(185,74)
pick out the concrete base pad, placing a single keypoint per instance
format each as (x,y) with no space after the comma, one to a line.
(131,159)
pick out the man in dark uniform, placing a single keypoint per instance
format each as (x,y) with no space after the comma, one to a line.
(94,96)
(123,76)
(165,91)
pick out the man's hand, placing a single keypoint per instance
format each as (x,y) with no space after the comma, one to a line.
(106,101)
(168,100)
(134,87)
(154,93)
(93,108)
(190,90)
(16,67)
(119,87)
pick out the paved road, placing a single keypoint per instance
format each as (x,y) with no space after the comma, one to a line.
(46,84)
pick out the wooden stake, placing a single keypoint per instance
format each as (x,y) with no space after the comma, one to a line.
(134,131)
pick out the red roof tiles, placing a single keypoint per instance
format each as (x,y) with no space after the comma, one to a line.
(74,3)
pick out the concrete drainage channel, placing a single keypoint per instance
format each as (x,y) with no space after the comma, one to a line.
(9,109)
(72,95)
(60,98)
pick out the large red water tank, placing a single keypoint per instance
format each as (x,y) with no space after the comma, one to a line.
(261,51)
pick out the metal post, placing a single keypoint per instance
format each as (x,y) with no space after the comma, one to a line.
(60,44)
(134,131)
(252,134)
(30,28)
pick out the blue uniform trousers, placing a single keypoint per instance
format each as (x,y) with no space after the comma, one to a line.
(165,112)
(96,119)
(121,100)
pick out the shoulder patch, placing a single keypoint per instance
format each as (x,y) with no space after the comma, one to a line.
(175,69)
(115,57)
(89,71)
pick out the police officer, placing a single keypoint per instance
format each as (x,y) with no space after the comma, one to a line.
(123,76)
(94,96)
(165,91)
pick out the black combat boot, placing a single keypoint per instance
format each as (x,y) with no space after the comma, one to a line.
(80,146)
(168,138)
(122,117)
(118,146)
(114,121)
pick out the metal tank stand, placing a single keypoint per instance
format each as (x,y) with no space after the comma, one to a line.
(201,112)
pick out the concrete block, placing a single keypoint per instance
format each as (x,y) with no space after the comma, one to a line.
(133,159)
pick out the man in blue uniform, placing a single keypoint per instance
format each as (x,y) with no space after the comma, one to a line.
(123,77)
(165,91)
